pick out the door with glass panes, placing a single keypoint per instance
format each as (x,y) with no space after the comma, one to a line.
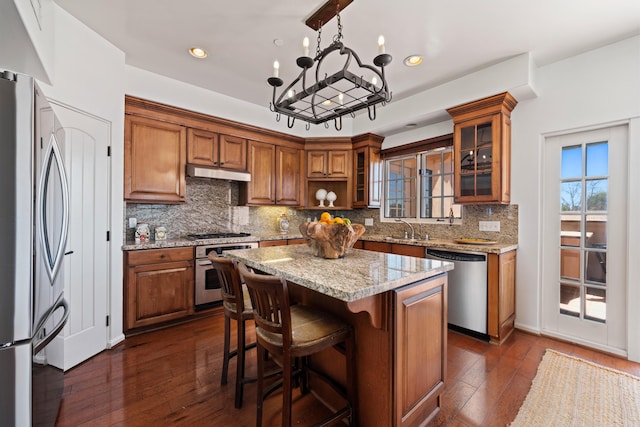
(584,238)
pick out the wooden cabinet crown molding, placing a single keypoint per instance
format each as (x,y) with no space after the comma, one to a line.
(158,111)
(501,103)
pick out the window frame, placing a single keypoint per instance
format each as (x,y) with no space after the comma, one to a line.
(418,151)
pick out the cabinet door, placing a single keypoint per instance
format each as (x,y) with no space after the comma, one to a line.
(501,295)
(233,153)
(477,159)
(202,147)
(159,292)
(408,250)
(377,246)
(420,333)
(317,164)
(339,165)
(288,176)
(261,190)
(154,161)
(269,243)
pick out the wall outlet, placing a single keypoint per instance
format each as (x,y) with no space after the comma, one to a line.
(133,222)
(368,222)
(489,226)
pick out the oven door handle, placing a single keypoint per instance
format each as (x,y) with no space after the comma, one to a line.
(203,262)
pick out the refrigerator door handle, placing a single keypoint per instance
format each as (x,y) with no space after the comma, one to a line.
(53,258)
(37,347)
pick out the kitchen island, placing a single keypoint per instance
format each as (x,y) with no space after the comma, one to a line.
(398,308)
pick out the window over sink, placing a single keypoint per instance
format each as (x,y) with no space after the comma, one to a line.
(419,186)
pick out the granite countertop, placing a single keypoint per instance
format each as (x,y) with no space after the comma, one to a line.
(447,244)
(358,275)
(498,248)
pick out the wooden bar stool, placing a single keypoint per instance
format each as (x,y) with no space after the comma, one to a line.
(237,306)
(292,333)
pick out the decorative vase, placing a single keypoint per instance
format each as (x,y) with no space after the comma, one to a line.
(283,223)
(331,197)
(321,195)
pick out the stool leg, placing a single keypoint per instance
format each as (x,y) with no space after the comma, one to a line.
(261,354)
(240,362)
(225,358)
(286,389)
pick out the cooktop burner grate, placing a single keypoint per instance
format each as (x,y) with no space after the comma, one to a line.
(203,236)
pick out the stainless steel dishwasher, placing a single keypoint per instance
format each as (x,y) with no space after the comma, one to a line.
(467,289)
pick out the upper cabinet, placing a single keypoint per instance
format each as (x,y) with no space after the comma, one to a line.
(209,149)
(367,171)
(275,175)
(482,149)
(329,168)
(154,161)
(328,164)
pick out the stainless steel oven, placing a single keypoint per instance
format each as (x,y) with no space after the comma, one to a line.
(207,283)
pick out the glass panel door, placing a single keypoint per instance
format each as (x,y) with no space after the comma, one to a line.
(583,231)
(584,238)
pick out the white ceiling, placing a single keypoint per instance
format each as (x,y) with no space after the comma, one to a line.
(456,37)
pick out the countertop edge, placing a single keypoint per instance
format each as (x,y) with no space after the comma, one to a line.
(498,248)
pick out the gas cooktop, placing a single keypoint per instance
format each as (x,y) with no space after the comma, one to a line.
(222,235)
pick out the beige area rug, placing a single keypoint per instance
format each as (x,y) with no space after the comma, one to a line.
(568,391)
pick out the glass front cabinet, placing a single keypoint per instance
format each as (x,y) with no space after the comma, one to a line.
(482,149)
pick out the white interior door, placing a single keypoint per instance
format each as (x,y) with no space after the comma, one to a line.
(585,238)
(87,274)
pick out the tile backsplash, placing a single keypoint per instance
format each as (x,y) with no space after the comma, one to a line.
(212,205)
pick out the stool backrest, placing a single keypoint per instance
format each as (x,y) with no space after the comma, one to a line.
(230,280)
(270,300)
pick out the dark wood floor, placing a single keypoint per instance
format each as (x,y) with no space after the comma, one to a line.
(172,376)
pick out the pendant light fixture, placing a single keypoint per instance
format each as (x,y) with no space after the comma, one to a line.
(319,97)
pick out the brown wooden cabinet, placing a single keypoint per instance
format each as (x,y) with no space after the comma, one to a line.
(154,161)
(328,164)
(367,171)
(420,343)
(275,175)
(501,278)
(209,149)
(329,169)
(482,150)
(158,286)
(281,242)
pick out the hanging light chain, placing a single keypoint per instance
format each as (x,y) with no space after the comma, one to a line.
(319,40)
(339,36)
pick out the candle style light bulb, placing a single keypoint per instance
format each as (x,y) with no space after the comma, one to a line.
(340,97)
(276,68)
(305,46)
(380,44)
(374,81)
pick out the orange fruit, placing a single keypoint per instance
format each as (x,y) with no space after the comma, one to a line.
(325,216)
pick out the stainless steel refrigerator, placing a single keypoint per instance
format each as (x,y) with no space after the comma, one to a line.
(34,213)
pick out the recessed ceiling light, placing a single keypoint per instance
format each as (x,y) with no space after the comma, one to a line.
(198,52)
(413,60)
(411,125)
(278,42)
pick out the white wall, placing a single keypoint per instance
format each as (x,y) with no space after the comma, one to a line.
(88,77)
(599,87)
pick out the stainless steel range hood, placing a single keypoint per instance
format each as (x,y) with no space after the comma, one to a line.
(202,172)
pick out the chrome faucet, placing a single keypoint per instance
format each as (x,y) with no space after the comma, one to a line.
(413,233)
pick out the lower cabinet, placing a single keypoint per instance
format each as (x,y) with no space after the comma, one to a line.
(501,295)
(158,286)
(420,342)
(281,242)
